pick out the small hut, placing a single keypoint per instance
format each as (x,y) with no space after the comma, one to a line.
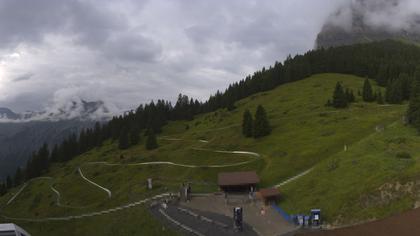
(269,195)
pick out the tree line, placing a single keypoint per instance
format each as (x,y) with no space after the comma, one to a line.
(342,97)
(256,127)
(391,64)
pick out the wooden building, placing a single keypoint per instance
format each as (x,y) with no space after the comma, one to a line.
(244,181)
(269,195)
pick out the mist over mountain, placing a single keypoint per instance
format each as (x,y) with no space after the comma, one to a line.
(73,109)
(361,21)
(23,133)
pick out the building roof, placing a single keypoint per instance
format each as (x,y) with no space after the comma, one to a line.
(7,227)
(238,178)
(12,227)
(269,192)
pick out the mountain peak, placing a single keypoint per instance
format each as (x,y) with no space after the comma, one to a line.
(363,21)
(6,113)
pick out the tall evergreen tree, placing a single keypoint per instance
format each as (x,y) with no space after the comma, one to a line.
(339,99)
(413,112)
(394,92)
(261,123)
(350,96)
(3,189)
(9,182)
(134,136)
(123,141)
(43,159)
(151,142)
(55,154)
(18,177)
(247,124)
(367,93)
(379,97)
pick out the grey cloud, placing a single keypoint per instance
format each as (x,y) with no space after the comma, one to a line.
(23,77)
(129,51)
(132,47)
(388,15)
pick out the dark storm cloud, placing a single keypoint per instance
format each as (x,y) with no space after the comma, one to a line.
(127,51)
(28,21)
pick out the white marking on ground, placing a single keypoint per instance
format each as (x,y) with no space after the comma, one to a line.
(23,187)
(15,195)
(95,184)
(291,179)
(180,224)
(256,155)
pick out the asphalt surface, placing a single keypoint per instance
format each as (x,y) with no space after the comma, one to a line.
(204,223)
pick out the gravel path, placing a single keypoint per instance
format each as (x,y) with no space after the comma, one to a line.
(291,179)
(95,184)
(57,193)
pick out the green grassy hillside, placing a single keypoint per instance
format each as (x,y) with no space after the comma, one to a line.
(305,135)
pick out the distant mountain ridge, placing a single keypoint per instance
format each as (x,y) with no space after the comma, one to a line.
(75,109)
(353,24)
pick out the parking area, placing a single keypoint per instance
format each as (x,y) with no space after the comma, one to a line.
(198,223)
(264,220)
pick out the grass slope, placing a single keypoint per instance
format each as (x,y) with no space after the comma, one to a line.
(370,180)
(305,134)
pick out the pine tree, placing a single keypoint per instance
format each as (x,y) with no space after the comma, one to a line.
(379,98)
(349,96)
(261,123)
(247,124)
(413,112)
(43,159)
(18,177)
(3,189)
(394,92)
(9,182)
(55,154)
(151,142)
(329,103)
(339,99)
(123,142)
(406,85)
(134,136)
(367,93)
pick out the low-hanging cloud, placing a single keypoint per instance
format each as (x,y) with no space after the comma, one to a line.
(387,15)
(131,51)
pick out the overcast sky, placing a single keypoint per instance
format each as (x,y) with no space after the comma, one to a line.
(128,52)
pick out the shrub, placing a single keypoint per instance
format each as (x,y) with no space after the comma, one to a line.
(403,155)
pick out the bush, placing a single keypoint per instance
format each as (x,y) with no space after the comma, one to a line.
(403,155)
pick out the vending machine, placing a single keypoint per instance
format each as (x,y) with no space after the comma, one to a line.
(316,217)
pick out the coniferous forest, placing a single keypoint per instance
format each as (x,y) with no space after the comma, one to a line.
(391,64)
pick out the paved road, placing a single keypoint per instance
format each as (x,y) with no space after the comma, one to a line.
(271,223)
(199,222)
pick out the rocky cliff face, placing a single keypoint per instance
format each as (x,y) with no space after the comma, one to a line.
(364,21)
